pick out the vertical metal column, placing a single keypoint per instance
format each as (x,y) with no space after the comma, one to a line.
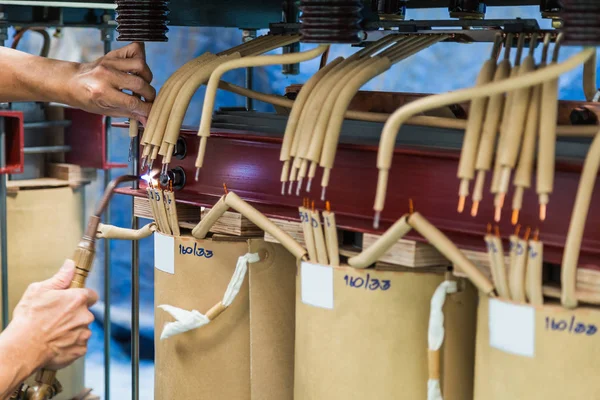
(135,285)
(249,85)
(248,35)
(3,206)
(3,228)
(107,37)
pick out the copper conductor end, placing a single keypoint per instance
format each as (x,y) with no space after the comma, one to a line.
(543,211)
(328,206)
(376,219)
(489,228)
(497,230)
(461,204)
(527,233)
(498,214)
(475,209)
(536,234)
(517,230)
(411,206)
(501,197)
(515,217)
(225,189)
(312,206)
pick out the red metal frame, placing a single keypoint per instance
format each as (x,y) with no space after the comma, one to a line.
(15,141)
(250,165)
(86,135)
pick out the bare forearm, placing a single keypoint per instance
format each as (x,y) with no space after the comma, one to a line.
(19,359)
(25,77)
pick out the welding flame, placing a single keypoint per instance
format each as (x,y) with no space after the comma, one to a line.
(150,179)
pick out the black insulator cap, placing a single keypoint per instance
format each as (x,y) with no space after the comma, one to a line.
(176,176)
(581,22)
(333,21)
(142,20)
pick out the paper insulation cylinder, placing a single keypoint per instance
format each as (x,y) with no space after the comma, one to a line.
(247,352)
(545,352)
(362,334)
(44,227)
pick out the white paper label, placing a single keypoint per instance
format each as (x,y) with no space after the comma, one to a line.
(512,328)
(164,253)
(317,285)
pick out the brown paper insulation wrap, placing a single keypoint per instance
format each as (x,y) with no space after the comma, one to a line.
(563,351)
(247,351)
(34,217)
(372,343)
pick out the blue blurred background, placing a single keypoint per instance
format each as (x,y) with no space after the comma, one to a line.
(444,67)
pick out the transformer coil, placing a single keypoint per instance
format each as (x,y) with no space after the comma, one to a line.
(142,20)
(334,21)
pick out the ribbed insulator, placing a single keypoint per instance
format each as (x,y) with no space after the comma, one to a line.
(467,9)
(142,20)
(581,22)
(334,21)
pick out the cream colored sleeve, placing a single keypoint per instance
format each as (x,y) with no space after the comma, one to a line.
(576,227)
(235,202)
(590,87)
(203,227)
(392,126)
(258,61)
(114,232)
(383,244)
(451,252)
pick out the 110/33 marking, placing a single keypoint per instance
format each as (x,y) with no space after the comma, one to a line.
(369,283)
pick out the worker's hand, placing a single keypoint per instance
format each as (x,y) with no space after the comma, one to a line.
(54,320)
(97,86)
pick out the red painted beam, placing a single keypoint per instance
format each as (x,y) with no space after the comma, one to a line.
(250,166)
(15,142)
(87,138)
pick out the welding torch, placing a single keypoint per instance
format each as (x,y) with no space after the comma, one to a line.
(46,384)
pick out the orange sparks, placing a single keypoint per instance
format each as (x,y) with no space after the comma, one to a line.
(328,206)
(515,217)
(475,209)
(461,204)
(225,188)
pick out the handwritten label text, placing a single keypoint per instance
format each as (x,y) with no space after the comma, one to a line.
(197,251)
(368,283)
(570,326)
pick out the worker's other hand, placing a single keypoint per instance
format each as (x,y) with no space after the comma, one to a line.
(98,86)
(55,320)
